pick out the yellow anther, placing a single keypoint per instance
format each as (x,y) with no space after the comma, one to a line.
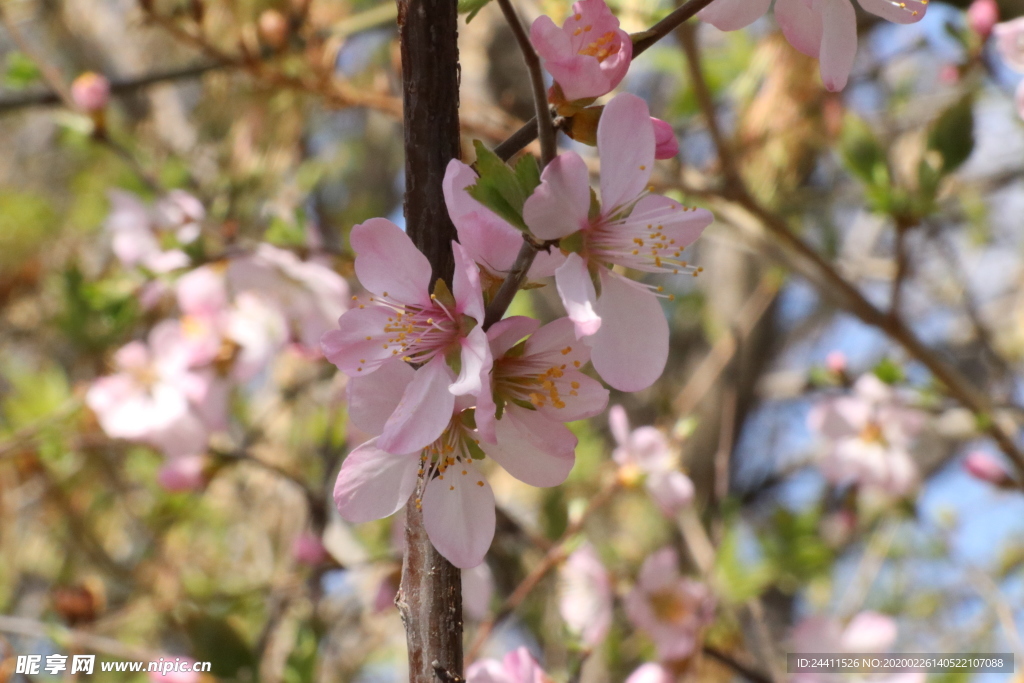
(479,483)
(567,350)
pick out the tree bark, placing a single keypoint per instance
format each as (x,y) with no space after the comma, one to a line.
(430,597)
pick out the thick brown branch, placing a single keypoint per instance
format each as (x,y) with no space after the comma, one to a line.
(430,598)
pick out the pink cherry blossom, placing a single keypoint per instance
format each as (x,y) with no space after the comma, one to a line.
(984,467)
(517,666)
(666,144)
(308,549)
(646,452)
(651,673)
(153,396)
(869,434)
(589,55)
(182,213)
(310,295)
(457,501)
(626,327)
(182,473)
(490,240)
(866,632)
(535,385)
(90,92)
(670,608)
(585,599)
(133,236)
(402,320)
(823,29)
(835,361)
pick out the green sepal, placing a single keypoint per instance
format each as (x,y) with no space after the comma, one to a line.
(516,351)
(468,418)
(572,244)
(474,450)
(595,207)
(444,295)
(523,404)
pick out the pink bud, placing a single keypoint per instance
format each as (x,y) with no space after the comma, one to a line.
(182,473)
(982,15)
(984,467)
(273,28)
(307,549)
(949,73)
(666,145)
(835,361)
(90,92)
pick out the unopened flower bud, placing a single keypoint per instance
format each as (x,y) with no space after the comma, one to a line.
(984,467)
(273,28)
(309,550)
(835,361)
(982,16)
(90,92)
(183,473)
(666,145)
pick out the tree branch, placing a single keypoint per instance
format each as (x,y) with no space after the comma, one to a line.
(545,127)
(430,597)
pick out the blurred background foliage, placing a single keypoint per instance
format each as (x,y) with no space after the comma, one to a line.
(908,184)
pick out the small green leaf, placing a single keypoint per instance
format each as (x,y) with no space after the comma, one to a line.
(889,372)
(20,71)
(952,134)
(471,7)
(499,187)
(861,151)
(528,174)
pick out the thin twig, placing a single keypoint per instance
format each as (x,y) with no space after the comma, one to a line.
(545,128)
(49,72)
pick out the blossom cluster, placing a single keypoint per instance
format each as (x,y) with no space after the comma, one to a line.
(221,324)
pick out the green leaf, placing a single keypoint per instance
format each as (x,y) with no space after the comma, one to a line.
(952,134)
(528,174)
(889,372)
(472,7)
(499,187)
(20,71)
(861,151)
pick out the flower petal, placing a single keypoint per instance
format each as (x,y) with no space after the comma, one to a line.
(424,411)
(373,483)
(458,514)
(625,142)
(469,297)
(506,333)
(672,491)
(581,396)
(372,400)
(838,42)
(801,24)
(489,240)
(908,12)
(631,348)
(359,346)
(618,422)
(476,364)
(388,261)
(533,449)
(559,206)
(578,295)
(732,15)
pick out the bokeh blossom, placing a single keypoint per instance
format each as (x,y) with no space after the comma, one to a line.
(645,453)
(585,596)
(517,666)
(669,607)
(823,29)
(869,434)
(866,632)
(90,92)
(1010,44)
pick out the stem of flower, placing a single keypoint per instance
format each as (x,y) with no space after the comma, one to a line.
(545,127)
